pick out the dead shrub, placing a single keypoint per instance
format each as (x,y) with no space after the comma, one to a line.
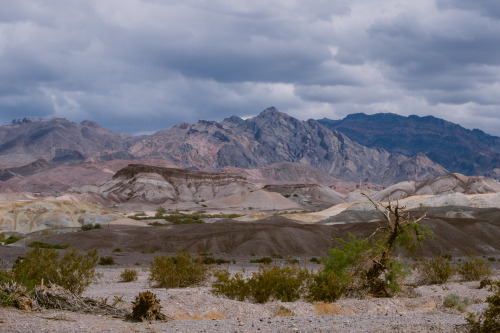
(147,307)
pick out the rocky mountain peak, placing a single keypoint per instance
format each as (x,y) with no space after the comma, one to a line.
(455,148)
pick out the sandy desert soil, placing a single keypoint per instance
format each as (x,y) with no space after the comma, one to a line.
(195,309)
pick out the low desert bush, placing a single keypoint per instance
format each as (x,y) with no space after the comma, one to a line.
(436,270)
(73,271)
(263,260)
(44,245)
(326,286)
(128,275)
(283,311)
(454,301)
(160,211)
(209,260)
(179,271)
(90,226)
(184,218)
(234,287)
(474,269)
(285,284)
(106,261)
(489,320)
(317,261)
(11,239)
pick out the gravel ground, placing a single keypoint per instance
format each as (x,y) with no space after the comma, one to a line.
(197,310)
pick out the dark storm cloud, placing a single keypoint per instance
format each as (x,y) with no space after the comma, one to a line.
(140,66)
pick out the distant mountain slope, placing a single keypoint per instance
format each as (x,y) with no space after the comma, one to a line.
(60,141)
(269,138)
(450,145)
(274,137)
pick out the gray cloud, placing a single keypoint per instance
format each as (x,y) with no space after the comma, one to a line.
(140,66)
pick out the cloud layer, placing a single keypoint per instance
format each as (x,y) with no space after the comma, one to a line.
(140,66)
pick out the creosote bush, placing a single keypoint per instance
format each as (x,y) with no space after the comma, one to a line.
(489,320)
(179,271)
(474,269)
(128,275)
(286,284)
(73,271)
(435,270)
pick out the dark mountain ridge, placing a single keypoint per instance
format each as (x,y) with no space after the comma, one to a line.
(271,137)
(470,152)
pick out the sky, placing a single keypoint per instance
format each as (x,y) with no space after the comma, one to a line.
(138,66)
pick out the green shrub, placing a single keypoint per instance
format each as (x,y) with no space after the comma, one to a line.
(43,245)
(160,211)
(234,287)
(283,311)
(285,284)
(12,239)
(117,250)
(208,260)
(263,260)
(435,270)
(454,301)
(73,271)
(474,269)
(6,276)
(179,271)
(316,260)
(128,275)
(184,218)
(106,261)
(90,226)
(489,320)
(326,286)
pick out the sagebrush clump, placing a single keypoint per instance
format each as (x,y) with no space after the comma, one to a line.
(454,301)
(179,271)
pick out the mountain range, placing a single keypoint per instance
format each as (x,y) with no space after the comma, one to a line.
(381,149)
(469,152)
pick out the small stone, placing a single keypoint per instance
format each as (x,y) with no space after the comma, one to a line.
(241,323)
